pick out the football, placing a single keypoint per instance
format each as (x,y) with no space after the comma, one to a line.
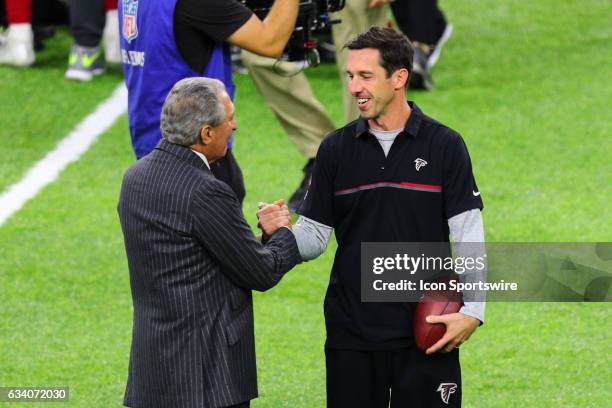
(433,303)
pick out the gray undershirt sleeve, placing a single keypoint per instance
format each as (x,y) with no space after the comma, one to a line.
(468,227)
(312,237)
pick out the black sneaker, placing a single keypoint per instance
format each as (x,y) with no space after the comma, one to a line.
(420,78)
(298,195)
(42,33)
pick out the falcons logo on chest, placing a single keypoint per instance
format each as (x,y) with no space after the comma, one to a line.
(445,390)
(418,163)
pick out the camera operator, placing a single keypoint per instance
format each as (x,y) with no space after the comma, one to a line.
(163,41)
(289,95)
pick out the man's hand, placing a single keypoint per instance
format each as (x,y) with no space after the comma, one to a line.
(459,328)
(273,216)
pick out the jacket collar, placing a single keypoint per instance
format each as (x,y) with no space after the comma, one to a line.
(184,153)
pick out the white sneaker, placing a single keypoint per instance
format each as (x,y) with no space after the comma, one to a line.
(18,46)
(112,52)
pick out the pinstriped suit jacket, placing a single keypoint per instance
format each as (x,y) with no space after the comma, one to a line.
(193,261)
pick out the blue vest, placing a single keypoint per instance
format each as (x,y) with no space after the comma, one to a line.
(152,65)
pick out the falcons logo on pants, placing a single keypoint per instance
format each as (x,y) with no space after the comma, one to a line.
(445,390)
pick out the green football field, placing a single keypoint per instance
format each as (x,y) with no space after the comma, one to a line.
(527,84)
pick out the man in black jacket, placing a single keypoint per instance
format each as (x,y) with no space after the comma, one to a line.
(193,261)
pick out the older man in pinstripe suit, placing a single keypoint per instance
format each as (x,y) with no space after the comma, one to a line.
(193,261)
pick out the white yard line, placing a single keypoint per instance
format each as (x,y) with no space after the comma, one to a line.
(68,150)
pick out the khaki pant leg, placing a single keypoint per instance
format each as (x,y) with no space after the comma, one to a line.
(291,98)
(356,18)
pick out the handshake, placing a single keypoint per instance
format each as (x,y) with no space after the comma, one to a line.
(272,217)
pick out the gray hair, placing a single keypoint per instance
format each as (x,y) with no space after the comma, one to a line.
(191,104)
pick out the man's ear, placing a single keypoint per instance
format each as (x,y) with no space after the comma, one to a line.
(206,135)
(400,78)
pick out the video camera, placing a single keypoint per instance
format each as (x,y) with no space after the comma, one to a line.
(312,18)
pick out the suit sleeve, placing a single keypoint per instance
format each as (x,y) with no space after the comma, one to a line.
(219,225)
